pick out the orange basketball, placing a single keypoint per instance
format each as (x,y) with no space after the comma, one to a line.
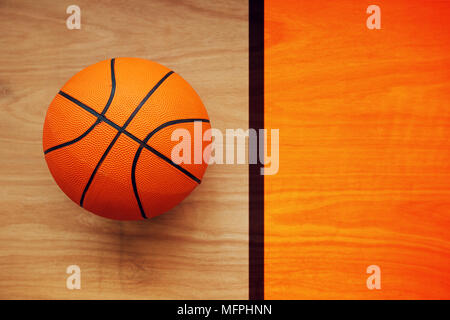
(108,138)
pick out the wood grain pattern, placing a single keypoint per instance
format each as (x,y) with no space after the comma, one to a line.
(364,173)
(199,250)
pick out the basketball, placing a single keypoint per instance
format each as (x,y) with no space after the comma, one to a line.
(108,138)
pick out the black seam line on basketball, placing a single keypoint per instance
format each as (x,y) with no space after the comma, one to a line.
(163,157)
(121,130)
(143,145)
(91,178)
(133,182)
(145,99)
(170,123)
(84,134)
(90,110)
(117,127)
(159,154)
(113,86)
(68,143)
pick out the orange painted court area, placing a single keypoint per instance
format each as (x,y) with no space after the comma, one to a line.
(364,174)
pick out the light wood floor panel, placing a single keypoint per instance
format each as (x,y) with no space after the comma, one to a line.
(199,250)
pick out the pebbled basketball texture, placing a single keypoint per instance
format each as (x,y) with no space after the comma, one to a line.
(107,138)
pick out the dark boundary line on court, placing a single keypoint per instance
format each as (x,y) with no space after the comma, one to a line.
(256,121)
